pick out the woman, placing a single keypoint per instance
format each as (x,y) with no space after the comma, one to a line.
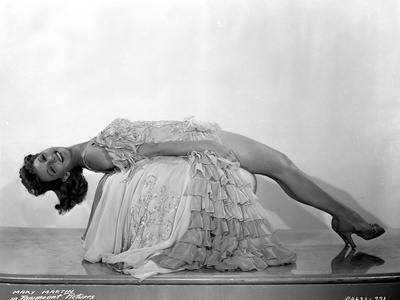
(174,197)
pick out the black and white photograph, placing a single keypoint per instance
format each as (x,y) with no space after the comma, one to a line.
(200,149)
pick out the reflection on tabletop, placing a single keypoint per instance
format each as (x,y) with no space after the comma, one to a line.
(347,261)
(357,262)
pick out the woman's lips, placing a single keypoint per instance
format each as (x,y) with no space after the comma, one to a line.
(60,157)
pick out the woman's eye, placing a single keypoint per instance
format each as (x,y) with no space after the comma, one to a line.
(43,158)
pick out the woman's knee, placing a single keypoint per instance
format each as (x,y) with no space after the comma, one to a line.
(257,157)
(282,167)
(271,163)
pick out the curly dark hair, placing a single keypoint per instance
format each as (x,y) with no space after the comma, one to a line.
(69,193)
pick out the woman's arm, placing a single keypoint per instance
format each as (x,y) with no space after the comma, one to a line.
(182,148)
(98,159)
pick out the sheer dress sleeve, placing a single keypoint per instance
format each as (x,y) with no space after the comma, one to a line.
(121,139)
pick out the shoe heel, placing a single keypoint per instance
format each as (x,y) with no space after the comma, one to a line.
(344,230)
(347,236)
(346,242)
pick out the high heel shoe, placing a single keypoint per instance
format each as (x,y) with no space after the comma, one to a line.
(344,229)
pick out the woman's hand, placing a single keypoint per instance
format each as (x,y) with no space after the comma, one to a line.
(222,151)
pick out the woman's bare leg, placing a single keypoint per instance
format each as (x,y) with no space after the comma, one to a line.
(261,159)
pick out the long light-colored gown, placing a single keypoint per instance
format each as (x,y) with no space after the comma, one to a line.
(165,214)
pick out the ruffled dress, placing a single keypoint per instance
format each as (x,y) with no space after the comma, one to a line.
(165,214)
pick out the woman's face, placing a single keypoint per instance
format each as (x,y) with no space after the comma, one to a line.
(52,163)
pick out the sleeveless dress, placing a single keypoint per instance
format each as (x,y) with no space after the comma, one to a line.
(165,214)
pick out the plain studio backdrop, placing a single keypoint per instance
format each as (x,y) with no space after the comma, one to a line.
(317,80)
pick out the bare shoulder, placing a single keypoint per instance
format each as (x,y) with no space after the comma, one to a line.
(97,159)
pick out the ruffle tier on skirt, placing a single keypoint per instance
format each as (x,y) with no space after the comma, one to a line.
(228,228)
(214,219)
